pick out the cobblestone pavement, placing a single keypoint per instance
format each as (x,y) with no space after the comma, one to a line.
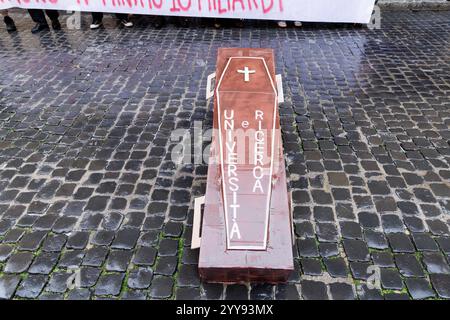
(88,188)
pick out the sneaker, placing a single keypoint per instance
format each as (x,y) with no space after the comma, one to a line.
(96,24)
(126,23)
(56,25)
(282,24)
(298,24)
(39,27)
(10,26)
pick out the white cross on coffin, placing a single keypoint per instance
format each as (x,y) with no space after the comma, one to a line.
(246,73)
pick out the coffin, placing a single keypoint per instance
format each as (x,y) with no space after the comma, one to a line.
(246,229)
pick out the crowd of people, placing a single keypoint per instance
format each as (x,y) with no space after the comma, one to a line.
(41,24)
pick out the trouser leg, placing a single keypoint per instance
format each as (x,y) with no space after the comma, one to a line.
(97,16)
(52,14)
(121,16)
(37,15)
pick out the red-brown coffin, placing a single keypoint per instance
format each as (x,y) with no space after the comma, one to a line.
(263,252)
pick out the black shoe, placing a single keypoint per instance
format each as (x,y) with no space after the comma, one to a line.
(126,23)
(10,26)
(56,25)
(96,24)
(40,27)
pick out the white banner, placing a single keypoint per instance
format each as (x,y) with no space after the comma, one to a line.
(357,11)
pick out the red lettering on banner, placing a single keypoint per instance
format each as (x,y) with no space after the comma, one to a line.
(268,8)
(250,4)
(241,2)
(221,10)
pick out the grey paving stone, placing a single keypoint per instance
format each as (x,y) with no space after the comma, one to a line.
(118,260)
(261,291)
(78,240)
(419,288)
(140,278)
(365,293)
(18,262)
(71,258)
(336,267)
(168,247)
(356,250)
(307,248)
(5,252)
(341,291)
(32,286)
(134,295)
(314,290)
(79,294)
(188,293)
(8,285)
(109,284)
(44,263)
(102,238)
(236,292)
(444,244)
(435,263)
(375,240)
(188,276)
(383,259)
(390,279)
(286,292)
(166,265)
(126,238)
(88,276)
(396,296)
(424,242)
(400,242)
(441,283)
(161,287)
(312,267)
(59,282)
(409,265)
(95,257)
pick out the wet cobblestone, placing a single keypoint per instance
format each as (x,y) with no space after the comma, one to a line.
(86,178)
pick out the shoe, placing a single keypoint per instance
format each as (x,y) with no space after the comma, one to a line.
(56,25)
(40,27)
(282,24)
(298,24)
(96,24)
(10,26)
(126,23)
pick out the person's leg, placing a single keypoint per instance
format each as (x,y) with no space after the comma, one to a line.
(9,22)
(54,15)
(124,20)
(38,16)
(97,18)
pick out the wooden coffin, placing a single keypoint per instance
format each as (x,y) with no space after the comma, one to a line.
(246,229)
